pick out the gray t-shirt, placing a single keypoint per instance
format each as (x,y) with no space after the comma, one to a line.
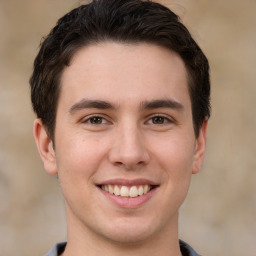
(185,249)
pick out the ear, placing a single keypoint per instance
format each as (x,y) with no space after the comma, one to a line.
(45,147)
(200,148)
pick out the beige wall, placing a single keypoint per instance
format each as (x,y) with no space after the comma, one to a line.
(218,217)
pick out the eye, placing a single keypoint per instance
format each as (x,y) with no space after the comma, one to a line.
(95,120)
(159,120)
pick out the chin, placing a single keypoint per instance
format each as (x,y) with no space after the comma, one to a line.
(129,233)
(128,238)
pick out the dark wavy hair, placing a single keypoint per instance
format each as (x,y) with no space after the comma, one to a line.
(124,21)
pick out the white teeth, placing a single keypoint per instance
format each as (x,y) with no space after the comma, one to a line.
(126,191)
(133,191)
(110,189)
(116,190)
(140,191)
(146,189)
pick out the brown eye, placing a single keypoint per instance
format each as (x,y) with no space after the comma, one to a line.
(158,120)
(96,120)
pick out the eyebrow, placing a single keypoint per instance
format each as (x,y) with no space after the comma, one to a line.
(145,105)
(85,103)
(162,103)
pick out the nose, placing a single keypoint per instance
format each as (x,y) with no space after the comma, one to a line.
(128,149)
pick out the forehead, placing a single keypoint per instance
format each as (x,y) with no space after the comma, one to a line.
(118,71)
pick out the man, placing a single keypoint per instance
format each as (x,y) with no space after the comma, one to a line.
(121,93)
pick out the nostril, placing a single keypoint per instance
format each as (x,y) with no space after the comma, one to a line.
(128,165)
(118,163)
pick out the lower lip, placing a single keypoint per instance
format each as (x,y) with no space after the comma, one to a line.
(129,202)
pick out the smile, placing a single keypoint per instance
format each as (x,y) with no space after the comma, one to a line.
(127,191)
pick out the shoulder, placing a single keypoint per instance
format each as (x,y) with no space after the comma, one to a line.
(57,249)
(187,250)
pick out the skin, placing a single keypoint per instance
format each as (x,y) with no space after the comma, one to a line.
(136,82)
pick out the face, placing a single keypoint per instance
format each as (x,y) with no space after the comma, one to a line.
(125,147)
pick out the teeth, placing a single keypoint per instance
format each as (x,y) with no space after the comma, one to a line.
(133,191)
(116,190)
(110,189)
(146,189)
(140,190)
(126,191)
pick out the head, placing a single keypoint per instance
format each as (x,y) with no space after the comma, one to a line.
(122,21)
(122,91)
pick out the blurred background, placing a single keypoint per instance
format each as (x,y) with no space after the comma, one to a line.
(219,215)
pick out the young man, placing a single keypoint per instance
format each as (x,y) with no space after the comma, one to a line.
(121,93)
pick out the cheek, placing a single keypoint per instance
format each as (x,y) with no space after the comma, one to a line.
(77,163)
(174,162)
(176,151)
(175,156)
(78,156)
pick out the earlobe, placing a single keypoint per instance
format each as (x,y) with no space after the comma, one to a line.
(45,147)
(200,148)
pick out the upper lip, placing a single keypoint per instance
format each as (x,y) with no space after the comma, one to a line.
(128,182)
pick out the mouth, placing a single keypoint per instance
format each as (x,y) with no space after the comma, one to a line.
(127,191)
